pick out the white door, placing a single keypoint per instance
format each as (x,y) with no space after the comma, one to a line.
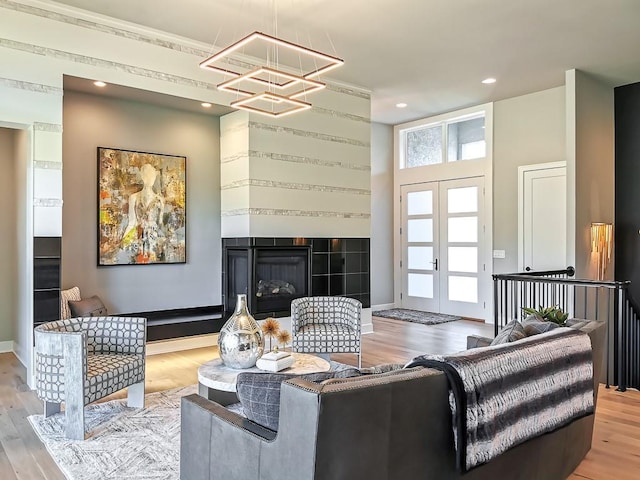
(542,217)
(442,247)
(463,278)
(420,276)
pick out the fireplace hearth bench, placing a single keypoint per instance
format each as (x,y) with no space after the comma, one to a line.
(181,322)
(391,426)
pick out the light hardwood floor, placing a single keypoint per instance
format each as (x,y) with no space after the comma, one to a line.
(616,444)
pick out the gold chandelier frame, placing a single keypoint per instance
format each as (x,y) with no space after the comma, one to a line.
(276,82)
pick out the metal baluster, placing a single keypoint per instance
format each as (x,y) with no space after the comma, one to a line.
(607,335)
(495,302)
(621,342)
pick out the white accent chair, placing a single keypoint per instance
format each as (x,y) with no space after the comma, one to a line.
(326,325)
(81,360)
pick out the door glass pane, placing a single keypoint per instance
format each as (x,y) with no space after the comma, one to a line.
(420,258)
(462,200)
(420,230)
(420,285)
(463,229)
(424,147)
(420,203)
(466,140)
(463,289)
(463,259)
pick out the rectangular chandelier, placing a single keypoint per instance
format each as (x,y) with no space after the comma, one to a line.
(270,90)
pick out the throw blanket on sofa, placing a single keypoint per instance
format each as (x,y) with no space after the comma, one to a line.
(504,395)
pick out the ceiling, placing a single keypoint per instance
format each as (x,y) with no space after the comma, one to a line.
(111,90)
(430,54)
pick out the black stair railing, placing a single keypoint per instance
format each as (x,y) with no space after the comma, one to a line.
(607,301)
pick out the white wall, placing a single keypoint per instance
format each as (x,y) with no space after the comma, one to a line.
(381,214)
(91,121)
(304,175)
(23,325)
(590,164)
(8,251)
(527,130)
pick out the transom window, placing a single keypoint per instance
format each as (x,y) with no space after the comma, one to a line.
(442,142)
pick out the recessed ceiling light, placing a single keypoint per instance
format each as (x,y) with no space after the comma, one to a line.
(486,81)
(100,84)
(401,105)
(206,104)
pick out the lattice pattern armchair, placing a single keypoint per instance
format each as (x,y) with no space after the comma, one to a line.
(81,360)
(326,325)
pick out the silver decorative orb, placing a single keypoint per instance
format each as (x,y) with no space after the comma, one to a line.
(240,341)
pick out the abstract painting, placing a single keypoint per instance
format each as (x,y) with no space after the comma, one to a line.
(142,207)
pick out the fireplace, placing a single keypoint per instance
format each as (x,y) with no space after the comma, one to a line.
(292,267)
(270,276)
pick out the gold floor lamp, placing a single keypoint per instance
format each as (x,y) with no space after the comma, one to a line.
(601,245)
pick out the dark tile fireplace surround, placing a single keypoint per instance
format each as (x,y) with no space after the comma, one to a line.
(272,271)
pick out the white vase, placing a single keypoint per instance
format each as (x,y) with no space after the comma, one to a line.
(240,340)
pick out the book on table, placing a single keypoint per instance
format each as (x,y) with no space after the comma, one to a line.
(275,361)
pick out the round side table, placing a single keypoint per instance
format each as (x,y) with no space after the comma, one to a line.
(217,382)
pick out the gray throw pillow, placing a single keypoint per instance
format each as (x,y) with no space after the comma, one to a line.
(511,332)
(88,307)
(534,325)
(259,393)
(577,323)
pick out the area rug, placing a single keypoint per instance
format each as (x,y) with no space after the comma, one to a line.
(122,442)
(415,316)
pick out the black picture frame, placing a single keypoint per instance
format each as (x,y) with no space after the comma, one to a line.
(142,208)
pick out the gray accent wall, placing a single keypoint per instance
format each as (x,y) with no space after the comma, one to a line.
(381,214)
(527,130)
(8,220)
(590,165)
(91,121)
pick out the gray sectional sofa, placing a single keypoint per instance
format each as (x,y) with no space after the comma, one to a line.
(391,426)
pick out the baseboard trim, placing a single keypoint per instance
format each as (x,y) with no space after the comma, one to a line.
(383,306)
(179,344)
(6,346)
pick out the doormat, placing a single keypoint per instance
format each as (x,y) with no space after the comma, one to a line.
(415,316)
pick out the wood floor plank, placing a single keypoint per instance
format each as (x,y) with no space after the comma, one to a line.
(6,468)
(616,441)
(13,443)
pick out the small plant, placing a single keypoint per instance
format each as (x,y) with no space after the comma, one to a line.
(270,328)
(284,337)
(549,314)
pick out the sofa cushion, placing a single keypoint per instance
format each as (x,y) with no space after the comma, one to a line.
(88,307)
(378,369)
(534,325)
(511,332)
(259,393)
(71,294)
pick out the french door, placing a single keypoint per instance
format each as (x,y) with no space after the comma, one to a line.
(443,265)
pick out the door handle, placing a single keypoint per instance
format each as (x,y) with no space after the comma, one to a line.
(528,269)
(435,264)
